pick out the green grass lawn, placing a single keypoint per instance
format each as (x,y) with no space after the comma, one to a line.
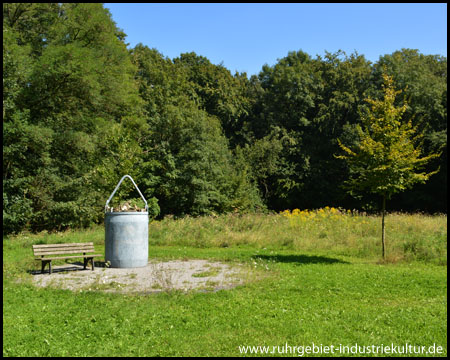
(312,290)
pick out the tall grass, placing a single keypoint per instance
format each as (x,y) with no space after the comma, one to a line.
(334,231)
(409,237)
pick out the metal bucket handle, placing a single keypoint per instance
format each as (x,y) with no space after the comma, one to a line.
(128,176)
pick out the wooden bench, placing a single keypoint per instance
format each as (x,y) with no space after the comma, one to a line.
(45,253)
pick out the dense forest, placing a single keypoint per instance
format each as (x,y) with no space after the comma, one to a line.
(80,110)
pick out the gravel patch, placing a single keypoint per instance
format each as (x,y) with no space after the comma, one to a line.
(184,275)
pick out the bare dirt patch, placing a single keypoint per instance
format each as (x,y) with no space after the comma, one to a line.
(184,275)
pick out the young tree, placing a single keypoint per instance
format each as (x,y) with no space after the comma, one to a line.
(388,157)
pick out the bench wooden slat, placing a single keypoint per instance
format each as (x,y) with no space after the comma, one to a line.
(57,249)
(63,248)
(46,253)
(68,257)
(61,245)
(67,248)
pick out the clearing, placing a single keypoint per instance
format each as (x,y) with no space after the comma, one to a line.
(184,275)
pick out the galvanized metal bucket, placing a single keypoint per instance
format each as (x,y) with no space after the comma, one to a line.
(126,235)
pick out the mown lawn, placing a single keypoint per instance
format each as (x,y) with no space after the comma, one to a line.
(320,295)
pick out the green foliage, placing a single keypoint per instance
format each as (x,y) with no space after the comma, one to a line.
(217,92)
(185,150)
(17,212)
(344,81)
(68,76)
(388,156)
(310,101)
(26,154)
(80,111)
(423,79)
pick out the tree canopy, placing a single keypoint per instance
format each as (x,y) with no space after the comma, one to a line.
(80,110)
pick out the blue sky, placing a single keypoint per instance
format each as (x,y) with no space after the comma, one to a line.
(244,37)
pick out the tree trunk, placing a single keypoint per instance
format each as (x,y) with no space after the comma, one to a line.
(382,226)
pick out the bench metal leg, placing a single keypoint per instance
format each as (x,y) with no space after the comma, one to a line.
(45,262)
(86,260)
(49,262)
